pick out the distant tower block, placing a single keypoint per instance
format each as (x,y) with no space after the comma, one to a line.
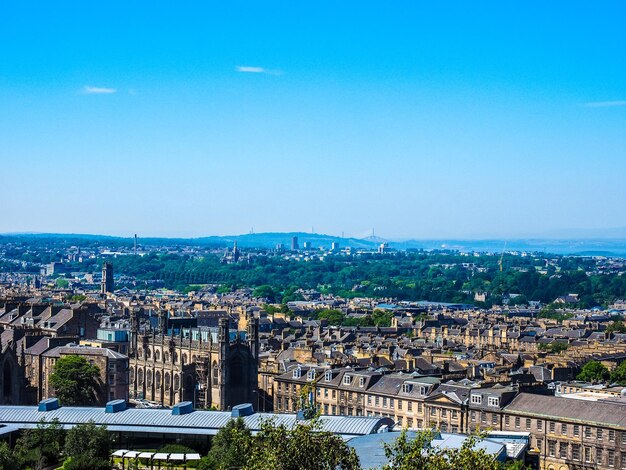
(334,246)
(107,279)
(307,245)
(294,244)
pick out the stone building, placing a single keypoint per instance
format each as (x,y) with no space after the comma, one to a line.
(203,365)
(11,375)
(112,383)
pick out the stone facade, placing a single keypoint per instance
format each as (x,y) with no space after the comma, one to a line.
(200,365)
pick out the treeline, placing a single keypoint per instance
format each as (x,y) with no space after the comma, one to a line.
(442,277)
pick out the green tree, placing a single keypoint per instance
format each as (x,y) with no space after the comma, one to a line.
(593,371)
(62,283)
(7,459)
(88,439)
(230,448)
(40,447)
(616,326)
(84,462)
(75,381)
(333,316)
(416,452)
(304,447)
(265,292)
(619,374)
(556,347)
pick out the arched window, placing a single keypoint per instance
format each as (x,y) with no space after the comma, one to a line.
(149,353)
(140,376)
(166,357)
(157,379)
(184,359)
(132,375)
(215,375)
(149,378)
(166,380)
(176,382)
(174,357)
(157,355)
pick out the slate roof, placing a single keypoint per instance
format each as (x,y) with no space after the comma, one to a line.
(583,411)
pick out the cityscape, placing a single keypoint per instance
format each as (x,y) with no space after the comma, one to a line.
(496,347)
(313,236)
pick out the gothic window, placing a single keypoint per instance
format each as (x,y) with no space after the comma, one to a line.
(166,380)
(157,355)
(176,381)
(166,357)
(149,353)
(184,359)
(215,374)
(174,357)
(149,378)
(157,379)
(132,375)
(140,376)
(238,370)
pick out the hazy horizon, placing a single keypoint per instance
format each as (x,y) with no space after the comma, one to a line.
(424,121)
(615,233)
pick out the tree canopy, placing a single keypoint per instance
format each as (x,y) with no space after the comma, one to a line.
(277,447)
(89,440)
(593,371)
(75,381)
(619,374)
(39,447)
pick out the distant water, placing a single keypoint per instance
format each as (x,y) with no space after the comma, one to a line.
(581,247)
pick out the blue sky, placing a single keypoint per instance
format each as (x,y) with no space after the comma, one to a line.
(426,120)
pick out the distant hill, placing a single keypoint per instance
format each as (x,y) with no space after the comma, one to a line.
(565,246)
(271,239)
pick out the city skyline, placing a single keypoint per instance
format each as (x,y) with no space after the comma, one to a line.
(441,121)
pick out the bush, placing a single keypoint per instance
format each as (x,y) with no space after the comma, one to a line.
(85,462)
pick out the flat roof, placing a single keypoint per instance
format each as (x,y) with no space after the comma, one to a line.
(164,422)
(371,451)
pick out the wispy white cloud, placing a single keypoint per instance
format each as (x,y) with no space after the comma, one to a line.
(605,104)
(96,90)
(253,69)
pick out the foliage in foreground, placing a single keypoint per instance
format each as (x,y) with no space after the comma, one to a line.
(277,447)
(416,453)
(39,447)
(88,440)
(307,447)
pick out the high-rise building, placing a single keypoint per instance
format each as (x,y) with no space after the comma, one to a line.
(306,245)
(107,279)
(294,244)
(334,246)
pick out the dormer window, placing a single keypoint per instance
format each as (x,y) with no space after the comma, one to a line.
(493,401)
(477,399)
(347,379)
(361,381)
(422,390)
(328,376)
(311,374)
(297,373)
(406,388)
